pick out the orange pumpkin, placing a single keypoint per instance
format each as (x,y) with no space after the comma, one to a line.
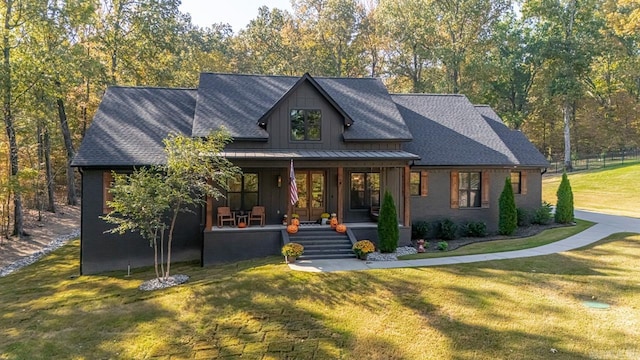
(292,229)
(242,225)
(341,228)
(333,223)
(295,222)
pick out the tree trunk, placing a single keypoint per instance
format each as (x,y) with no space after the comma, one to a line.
(51,186)
(68,144)
(18,226)
(566,112)
(173,225)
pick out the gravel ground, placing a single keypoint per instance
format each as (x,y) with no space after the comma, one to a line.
(28,260)
(404,250)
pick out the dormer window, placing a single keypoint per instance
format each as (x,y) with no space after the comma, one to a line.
(305,124)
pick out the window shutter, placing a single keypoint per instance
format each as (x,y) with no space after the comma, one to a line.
(485,189)
(523,183)
(107,180)
(424,183)
(454,190)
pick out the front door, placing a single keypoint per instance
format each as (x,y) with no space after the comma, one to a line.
(311,199)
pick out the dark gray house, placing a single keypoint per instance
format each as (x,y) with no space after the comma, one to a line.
(439,156)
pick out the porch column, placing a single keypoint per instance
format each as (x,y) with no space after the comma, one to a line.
(209,216)
(340,194)
(406,193)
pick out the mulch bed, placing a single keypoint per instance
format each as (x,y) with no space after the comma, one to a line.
(431,245)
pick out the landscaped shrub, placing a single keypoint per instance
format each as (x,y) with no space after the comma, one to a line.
(447,229)
(419,229)
(542,215)
(475,229)
(564,206)
(388,231)
(508,221)
(525,217)
(443,246)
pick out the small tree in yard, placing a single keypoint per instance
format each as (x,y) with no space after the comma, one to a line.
(564,206)
(508,221)
(149,199)
(388,232)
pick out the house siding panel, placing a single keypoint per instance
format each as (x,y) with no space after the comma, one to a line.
(437,205)
(105,252)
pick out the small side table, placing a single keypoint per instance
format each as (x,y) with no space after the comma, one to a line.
(242,218)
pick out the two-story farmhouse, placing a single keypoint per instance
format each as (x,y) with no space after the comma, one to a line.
(350,140)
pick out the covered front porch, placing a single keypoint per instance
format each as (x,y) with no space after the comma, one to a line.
(347,183)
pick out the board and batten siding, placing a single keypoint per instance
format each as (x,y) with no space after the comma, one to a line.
(100,251)
(307,97)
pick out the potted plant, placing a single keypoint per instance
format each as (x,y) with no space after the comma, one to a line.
(362,248)
(291,251)
(324,218)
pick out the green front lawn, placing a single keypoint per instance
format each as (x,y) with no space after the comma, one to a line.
(609,190)
(545,237)
(516,309)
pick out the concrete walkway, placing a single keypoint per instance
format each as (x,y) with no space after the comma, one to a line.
(605,226)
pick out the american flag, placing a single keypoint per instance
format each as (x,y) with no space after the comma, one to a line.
(293,188)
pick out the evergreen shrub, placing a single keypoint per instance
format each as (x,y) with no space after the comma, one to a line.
(564,206)
(508,221)
(388,231)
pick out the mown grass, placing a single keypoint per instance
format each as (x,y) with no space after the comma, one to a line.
(543,238)
(515,309)
(609,190)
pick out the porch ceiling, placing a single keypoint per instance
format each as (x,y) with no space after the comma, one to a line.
(321,154)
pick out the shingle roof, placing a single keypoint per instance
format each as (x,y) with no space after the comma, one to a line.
(525,152)
(131,123)
(237,102)
(448,131)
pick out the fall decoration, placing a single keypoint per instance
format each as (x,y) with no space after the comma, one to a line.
(292,249)
(362,248)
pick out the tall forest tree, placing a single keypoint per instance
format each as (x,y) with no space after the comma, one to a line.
(570,32)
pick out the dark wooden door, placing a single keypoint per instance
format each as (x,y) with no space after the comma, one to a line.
(311,194)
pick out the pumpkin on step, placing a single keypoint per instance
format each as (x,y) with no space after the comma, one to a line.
(242,225)
(333,223)
(292,229)
(295,222)
(341,228)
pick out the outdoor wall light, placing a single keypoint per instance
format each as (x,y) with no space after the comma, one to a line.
(279,180)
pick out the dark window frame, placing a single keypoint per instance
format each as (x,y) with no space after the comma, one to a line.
(367,192)
(245,203)
(468,192)
(307,123)
(413,184)
(516,186)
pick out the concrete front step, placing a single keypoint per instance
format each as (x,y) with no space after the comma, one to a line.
(323,243)
(327,256)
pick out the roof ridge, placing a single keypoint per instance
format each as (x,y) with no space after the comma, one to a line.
(151,87)
(253,75)
(427,94)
